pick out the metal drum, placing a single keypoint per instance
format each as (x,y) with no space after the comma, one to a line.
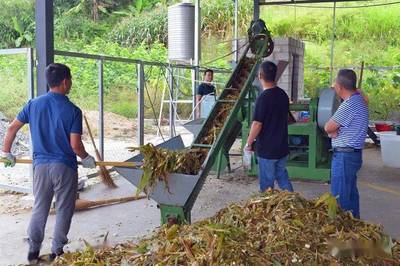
(181,32)
(328,103)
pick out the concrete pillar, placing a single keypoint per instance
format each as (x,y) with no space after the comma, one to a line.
(292,79)
(292,51)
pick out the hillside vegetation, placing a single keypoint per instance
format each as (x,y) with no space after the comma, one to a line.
(137,29)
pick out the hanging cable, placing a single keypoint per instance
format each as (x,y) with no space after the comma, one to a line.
(231,53)
(199,80)
(147,77)
(170,93)
(152,106)
(230,40)
(371,68)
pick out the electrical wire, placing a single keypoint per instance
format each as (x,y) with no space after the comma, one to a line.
(343,7)
(147,77)
(199,80)
(197,106)
(231,40)
(152,106)
(170,91)
(231,53)
(372,68)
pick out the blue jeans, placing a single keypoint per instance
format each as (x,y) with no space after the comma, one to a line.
(271,170)
(345,166)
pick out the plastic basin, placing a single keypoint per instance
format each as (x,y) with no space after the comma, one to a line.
(381,127)
(390,148)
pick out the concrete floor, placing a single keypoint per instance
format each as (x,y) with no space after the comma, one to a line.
(379,188)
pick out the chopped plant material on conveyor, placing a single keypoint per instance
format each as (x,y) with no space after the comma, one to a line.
(223,109)
(213,130)
(158,163)
(273,228)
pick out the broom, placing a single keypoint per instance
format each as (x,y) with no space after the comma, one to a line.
(104,174)
(81,204)
(101,163)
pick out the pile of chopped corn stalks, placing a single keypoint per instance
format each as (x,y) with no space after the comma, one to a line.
(273,228)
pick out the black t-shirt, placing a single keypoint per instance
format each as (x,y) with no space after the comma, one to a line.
(205,89)
(271,109)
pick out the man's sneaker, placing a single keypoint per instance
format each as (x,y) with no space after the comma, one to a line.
(33,257)
(48,258)
(53,256)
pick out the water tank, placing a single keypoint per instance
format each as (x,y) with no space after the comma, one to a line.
(181,32)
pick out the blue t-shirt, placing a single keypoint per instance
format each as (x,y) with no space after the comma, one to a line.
(52,118)
(352,115)
(205,89)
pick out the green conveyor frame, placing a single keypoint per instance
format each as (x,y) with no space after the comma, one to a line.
(176,204)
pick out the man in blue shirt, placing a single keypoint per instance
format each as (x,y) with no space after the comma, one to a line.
(56,129)
(205,89)
(348,129)
(270,128)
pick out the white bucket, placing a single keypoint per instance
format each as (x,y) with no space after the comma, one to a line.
(390,148)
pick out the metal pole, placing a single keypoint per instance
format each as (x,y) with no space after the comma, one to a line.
(101,109)
(44,41)
(31,79)
(171,103)
(197,39)
(256,11)
(197,51)
(140,85)
(195,78)
(236,31)
(31,93)
(333,39)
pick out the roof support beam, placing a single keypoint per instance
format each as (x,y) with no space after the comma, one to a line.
(44,41)
(256,12)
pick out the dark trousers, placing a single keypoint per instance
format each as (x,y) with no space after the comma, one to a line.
(345,166)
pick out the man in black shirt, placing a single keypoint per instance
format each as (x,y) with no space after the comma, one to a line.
(204,89)
(270,128)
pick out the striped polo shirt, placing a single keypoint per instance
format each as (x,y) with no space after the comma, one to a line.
(352,115)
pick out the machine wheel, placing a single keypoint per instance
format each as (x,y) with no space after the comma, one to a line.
(328,103)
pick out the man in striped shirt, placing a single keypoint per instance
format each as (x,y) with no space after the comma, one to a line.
(348,129)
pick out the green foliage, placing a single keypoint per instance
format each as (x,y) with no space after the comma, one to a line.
(93,9)
(383,93)
(148,28)
(379,24)
(13,84)
(369,35)
(138,29)
(122,101)
(218,16)
(119,78)
(77,27)
(16,23)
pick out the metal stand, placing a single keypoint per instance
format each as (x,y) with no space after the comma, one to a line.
(174,215)
(176,202)
(310,154)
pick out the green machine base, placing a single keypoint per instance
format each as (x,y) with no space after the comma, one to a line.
(174,215)
(309,156)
